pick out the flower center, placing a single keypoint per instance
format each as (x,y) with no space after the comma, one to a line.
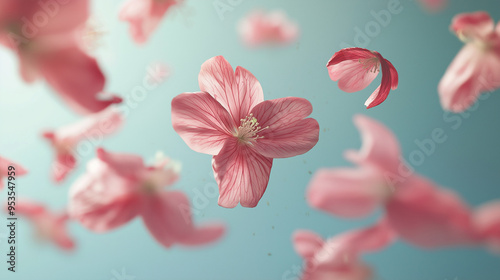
(370,64)
(249,130)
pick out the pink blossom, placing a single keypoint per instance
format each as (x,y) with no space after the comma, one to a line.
(144,16)
(356,68)
(230,120)
(487,223)
(338,257)
(5,172)
(66,139)
(119,187)
(44,36)
(273,28)
(475,69)
(434,5)
(419,211)
(48,225)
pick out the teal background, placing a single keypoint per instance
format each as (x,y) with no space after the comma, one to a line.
(257,244)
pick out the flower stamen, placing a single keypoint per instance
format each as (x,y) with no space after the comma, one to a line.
(249,129)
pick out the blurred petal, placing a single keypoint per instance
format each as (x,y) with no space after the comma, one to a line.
(307,243)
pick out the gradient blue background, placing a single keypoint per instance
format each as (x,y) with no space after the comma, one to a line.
(257,244)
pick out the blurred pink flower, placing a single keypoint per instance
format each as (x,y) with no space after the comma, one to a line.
(476,68)
(418,210)
(144,16)
(119,187)
(434,5)
(4,170)
(273,28)
(338,257)
(49,226)
(66,139)
(487,222)
(230,120)
(44,36)
(356,68)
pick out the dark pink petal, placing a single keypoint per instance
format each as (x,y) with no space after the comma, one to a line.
(4,169)
(307,243)
(288,133)
(63,164)
(381,93)
(394,75)
(76,77)
(475,25)
(202,122)
(352,75)
(237,92)
(430,217)
(487,223)
(241,173)
(350,54)
(349,193)
(380,147)
(168,217)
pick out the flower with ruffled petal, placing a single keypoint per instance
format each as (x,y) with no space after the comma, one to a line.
(66,139)
(5,172)
(273,28)
(476,68)
(48,226)
(356,68)
(419,211)
(230,120)
(120,187)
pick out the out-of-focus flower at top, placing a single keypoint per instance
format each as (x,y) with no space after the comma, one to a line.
(356,68)
(419,211)
(119,187)
(44,36)
(5,171)
(65,140)
(230,120)
(273,28)
(476,68)
(48,226)
(144,16)
(434,5)
(338,257)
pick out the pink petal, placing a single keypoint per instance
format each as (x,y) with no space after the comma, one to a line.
(357,271)
(261,28)
(101,200)
(380,146)
(6,163)
(241,173)
(352,75)
(77,78)
(65,16)
(201,122)
(62,166)
(307,243)
(487,223)
(381,93)
(237,92)
(349,193)
(434,5)
(471,73)
(289,134)
(427,216)
(125,165)
(473,25)
(349,54)
(168,218)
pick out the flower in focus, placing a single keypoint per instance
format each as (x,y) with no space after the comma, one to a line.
(66,139)
(419,211)
(119,187)
(49,226)
(261,28)
(144,16)
(230,120)
(476,68)
(338,257)
(44,36)
(5,172)
(356,68)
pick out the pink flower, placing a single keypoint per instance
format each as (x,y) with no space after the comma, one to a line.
(5,172)
(230,120)
(261,28)
(49,226)
(476,68)
(119,187)
(356,68)
(66,139)
(418,210)
(487,223)
(144,16)
(338,257)
(434,5)
(43,35)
